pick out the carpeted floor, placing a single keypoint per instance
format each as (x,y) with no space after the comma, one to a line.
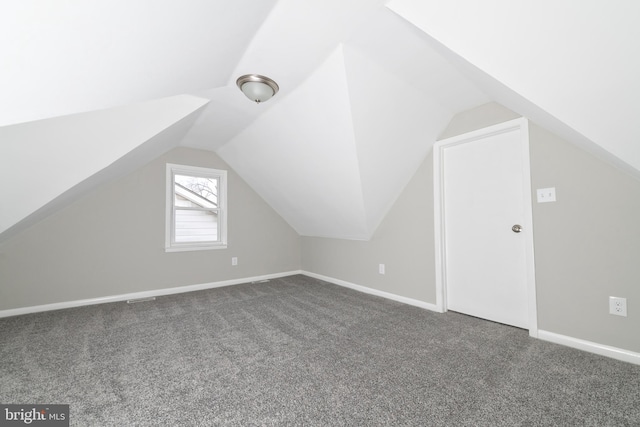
(299,351)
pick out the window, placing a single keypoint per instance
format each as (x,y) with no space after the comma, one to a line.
(196,208)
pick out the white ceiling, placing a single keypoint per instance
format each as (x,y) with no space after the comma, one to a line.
(333,154)
(72,56)
(46,161)
(366,88)
(569,61)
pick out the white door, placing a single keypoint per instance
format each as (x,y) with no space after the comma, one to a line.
(484,194)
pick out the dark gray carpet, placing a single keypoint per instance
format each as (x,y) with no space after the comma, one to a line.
(299,351)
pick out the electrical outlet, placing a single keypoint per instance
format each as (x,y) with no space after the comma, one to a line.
(234,260)
(618,306)
(381,269)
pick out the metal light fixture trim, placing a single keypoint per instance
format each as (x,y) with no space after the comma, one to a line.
(257,88)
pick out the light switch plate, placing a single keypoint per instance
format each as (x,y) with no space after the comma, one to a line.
(546,195)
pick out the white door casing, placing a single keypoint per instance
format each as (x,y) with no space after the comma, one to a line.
(483,268)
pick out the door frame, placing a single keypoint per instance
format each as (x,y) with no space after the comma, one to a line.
(439,149)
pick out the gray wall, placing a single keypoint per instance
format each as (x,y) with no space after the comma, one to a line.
(111,242)
(403,242)
(587,244)
(478,118)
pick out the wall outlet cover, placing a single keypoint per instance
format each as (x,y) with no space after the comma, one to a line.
(546,195)
(618,306)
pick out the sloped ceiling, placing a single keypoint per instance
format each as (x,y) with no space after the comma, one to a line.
(66,57)
(44,160)
(333,154)
(366,88)
(573,65)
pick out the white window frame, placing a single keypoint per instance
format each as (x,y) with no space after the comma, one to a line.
(221,175)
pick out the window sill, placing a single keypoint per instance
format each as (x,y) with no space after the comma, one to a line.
(188,248)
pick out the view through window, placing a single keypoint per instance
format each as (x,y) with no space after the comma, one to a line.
(196,211)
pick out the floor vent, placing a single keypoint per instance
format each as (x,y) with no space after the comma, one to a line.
(133,301)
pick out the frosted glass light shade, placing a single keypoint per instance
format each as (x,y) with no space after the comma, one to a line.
(258,92)
(257,88)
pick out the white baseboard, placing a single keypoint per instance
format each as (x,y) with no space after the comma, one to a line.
(591,347)
(375,292)
(137,295)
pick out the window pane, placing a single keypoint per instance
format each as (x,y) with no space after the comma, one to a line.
(196,226)
(196,216)
(196,191)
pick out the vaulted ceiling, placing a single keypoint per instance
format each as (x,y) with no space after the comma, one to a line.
(92,90)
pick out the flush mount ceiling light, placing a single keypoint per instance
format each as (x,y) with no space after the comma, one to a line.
(257,88)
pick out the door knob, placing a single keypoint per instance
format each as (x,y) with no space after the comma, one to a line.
(516,228)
